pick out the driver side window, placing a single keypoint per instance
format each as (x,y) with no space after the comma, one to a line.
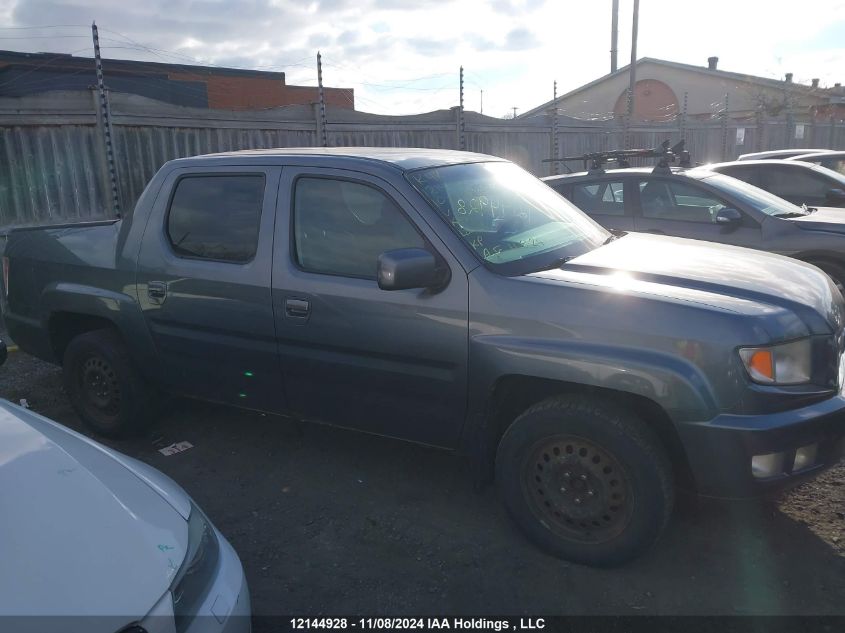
(341,227)
(664,199)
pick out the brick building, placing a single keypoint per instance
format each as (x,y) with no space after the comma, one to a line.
(212,87)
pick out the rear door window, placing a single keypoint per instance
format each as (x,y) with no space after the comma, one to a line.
(216,217)
(602,198)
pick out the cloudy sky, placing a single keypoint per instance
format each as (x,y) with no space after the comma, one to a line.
(402,56)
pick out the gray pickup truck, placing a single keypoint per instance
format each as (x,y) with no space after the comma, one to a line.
(454,300)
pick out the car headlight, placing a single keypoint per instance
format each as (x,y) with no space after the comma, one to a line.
(785,364)
(197,570)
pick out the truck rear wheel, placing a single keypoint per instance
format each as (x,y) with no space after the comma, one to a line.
(104,387)
(585,481)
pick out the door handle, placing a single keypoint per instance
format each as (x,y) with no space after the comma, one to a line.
(157,291)
(297,307)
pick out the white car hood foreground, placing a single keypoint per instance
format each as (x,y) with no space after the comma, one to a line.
(81,533)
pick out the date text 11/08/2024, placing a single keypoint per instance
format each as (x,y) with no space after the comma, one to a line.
(418,623)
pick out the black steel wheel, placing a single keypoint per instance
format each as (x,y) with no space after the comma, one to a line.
(104,387)
(100,386)
(585,480)
(578,488)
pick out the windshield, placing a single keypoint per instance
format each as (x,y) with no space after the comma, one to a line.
(831,173)
(506,215)
(835,164)
(755,197)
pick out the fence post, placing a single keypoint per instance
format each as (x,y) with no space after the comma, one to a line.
(462,141)
(457,112)
(553,166)
(725,130)
(99,154)
(104,123)
(318,123)
(626,128)
(323,133)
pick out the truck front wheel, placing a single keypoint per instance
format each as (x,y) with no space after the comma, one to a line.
(585,480)
(104,387)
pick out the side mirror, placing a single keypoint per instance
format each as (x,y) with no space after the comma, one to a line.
(728,217)
(406,268)
(835,195)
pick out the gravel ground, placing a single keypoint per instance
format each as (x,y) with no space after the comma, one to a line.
(329,521)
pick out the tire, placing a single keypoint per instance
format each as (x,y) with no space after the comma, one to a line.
(585,480)
(835,271)
(104,387)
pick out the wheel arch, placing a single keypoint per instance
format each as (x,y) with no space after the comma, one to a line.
(73,309)
(513,394)
(64,326)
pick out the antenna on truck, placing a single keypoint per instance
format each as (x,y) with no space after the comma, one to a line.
(594,161)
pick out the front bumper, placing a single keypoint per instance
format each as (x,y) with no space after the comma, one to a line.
(720,451)
(226,607)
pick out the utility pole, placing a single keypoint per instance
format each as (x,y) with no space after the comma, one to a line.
(632,71)
(462,142)
(324,137)
(105,114)
(482,102)
(614,34)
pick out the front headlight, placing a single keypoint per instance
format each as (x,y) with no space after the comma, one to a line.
(786,364)
(197,571)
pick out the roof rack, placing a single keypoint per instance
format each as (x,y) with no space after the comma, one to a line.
(594,162)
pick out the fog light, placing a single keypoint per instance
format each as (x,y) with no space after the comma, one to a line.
(767,465)
(805,457)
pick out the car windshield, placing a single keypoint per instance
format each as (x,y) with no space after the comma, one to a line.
(831,174)
(508,217)
(835,164)
(755,197)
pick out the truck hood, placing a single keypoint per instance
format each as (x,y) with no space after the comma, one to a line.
(82,533)
(822,219)
(679,265)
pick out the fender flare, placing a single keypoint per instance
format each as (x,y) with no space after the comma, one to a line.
(120,309)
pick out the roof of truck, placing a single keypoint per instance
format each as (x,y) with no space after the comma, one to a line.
(404,158)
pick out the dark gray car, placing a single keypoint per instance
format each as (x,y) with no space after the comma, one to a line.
(705,205)
(449,299)
(795,181)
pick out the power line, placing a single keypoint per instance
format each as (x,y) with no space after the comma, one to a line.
(46,26)
(42,37)
(159,51)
